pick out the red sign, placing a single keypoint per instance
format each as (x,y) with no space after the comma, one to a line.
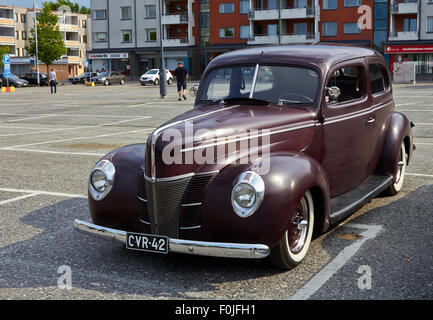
(409,49)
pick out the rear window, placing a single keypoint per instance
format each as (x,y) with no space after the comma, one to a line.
(379,80)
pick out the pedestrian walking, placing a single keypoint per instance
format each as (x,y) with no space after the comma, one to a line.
(181,77)
(53,82)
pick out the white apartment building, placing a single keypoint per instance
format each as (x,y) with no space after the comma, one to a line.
(126,35)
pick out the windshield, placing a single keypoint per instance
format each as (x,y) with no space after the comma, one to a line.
(275,84)
(14,77)
(153,71)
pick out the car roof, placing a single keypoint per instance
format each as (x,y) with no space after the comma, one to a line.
(319,55)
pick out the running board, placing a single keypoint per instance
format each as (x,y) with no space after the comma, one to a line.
(349,202)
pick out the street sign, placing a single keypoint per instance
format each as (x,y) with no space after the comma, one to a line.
(7,65)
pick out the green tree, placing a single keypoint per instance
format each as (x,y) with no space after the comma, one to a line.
(75,8)
(3,51)
(50,40)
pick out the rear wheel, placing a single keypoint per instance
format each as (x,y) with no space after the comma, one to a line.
(296,241)
(122,81)
(106,83)
(170,81)
(397,185)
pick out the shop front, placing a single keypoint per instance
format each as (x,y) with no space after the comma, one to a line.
(110,62)
(420,54)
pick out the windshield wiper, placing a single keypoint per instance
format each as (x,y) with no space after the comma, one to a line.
(285,101)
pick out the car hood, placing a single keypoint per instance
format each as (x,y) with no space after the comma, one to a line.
(221,134)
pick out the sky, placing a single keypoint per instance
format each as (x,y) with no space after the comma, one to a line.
(29,3)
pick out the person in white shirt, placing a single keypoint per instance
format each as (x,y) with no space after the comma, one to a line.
(53,81)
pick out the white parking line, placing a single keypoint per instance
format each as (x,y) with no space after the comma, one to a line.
(75,128)
(320,278)
(77,138)
(31,118)
(415,110)
(67,115)
(48,193)
(56,152)
(18,198)
(419,175)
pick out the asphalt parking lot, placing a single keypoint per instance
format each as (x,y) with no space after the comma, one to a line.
(49,143)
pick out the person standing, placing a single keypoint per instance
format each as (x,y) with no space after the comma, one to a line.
(181,77)
(53,81)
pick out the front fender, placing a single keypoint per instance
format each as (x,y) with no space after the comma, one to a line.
(119,209)
(399,131)
(290,175)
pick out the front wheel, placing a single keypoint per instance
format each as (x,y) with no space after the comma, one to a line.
(122,81)
(156,82)
(106,83)
(397,185)
(296,241)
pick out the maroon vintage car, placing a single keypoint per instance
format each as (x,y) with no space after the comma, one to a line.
(282,143)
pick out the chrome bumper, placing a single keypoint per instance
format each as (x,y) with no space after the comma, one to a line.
(213,249)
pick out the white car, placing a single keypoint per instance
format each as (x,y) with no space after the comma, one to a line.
(152,77)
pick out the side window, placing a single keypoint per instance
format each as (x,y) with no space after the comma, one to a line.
(349,82)
(379,80)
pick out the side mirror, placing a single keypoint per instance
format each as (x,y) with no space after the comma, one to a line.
(193,90)
(333,93)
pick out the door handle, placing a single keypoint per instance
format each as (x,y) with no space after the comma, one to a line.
(371,120)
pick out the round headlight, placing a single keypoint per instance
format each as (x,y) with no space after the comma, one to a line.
(247,194)
(99,180)
(244,195)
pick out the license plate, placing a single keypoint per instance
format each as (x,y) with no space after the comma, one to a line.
(146,242)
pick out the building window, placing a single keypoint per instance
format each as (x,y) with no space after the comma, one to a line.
(329,4)
(227,7)
(126,35)
(244,6)
(150,11)
(100,14)
(227,32)
(329,29)
(101,36)
(352,3)
(17,35)
(272,29)
(23,18)
(16,17)
(300,28)
(244,32)
(150,34)
(409,24)
(24,35)
(351,28)
(125,13)
(300,4)
(429,24)
(84,23)
(24,52)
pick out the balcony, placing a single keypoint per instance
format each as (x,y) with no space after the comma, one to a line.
(6,22)
(263,39)
(402,35)
(71,44)
(300,38)
(263,14)
(68,27)
(175,18)
(178,42)
(4,40)
(406,7)
(298,13)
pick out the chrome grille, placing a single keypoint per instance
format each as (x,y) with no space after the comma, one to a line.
(164,201)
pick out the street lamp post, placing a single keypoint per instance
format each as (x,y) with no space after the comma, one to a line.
(162,74)
(36,41)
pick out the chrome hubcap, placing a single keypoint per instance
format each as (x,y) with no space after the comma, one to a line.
(298,229)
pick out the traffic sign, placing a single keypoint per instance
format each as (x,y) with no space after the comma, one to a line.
(7,65)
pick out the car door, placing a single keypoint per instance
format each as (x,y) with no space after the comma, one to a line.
(346,127)
(382,105)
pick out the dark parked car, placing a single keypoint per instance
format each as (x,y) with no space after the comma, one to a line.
(261,163)
(83,78)
(13,81)
(109,77)
(32,78)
